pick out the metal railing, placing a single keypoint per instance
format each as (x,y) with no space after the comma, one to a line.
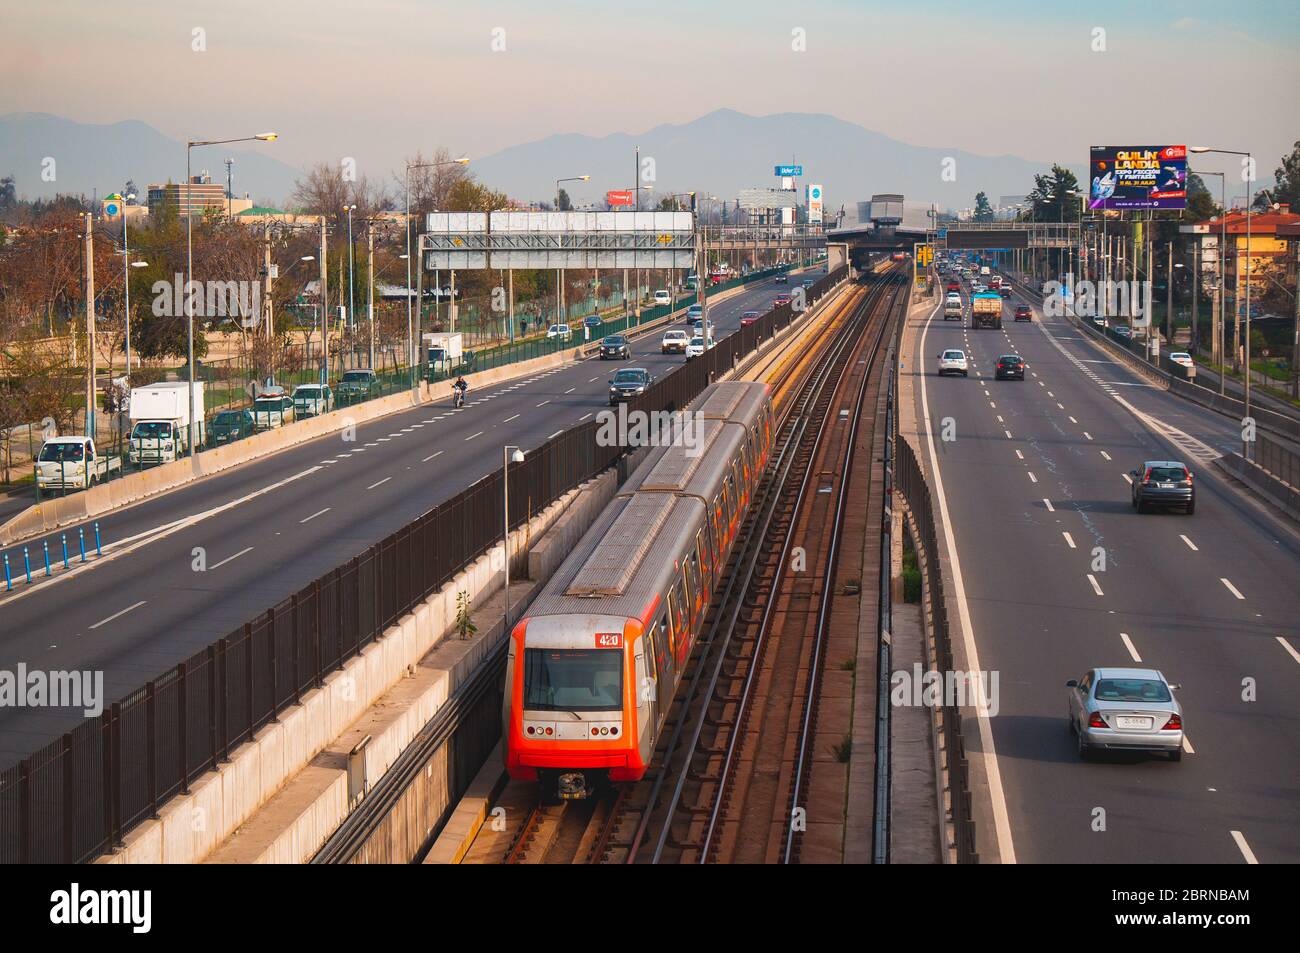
(77,797)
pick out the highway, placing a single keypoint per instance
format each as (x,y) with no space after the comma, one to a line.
(274,525)
(1035,488)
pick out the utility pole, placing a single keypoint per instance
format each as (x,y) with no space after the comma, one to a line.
(90,327)
(370,258)
(1169,299)
(415,341)
(229,184)
(324,297)
(1295,344)
(510,302)
(266,266)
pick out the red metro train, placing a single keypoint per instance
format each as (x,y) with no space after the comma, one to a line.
(595,660)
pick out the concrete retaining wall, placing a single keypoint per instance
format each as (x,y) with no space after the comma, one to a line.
(309,742)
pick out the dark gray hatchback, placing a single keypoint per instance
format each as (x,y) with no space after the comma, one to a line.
(1163,483)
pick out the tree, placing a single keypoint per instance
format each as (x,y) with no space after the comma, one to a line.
(1051,199)
(566,203)
(983,210)
(8,192)
(129,190)
(1287,189)
(1200,203)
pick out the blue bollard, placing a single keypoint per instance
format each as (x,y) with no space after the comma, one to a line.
(27,564)
(98,550)
(9,583)
(81,540)
(65,550)
(45,544)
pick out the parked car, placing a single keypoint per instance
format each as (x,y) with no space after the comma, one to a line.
(1024,312)
(953,361)
(274,408)
(1181,357)
(627,383)
(311,400)
(593,321)
(1163,483)
(72,463)
(356,386)
(663,297)
(749,317)
(616,347)
(1125,709)
(230,425)
(1010,367)
(561,332)
(674,342)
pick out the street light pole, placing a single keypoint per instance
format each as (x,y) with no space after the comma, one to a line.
(506,458)
(410,318)
(352,319)
(189,269)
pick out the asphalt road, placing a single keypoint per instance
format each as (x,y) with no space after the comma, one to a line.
(1036,491)
(280,522)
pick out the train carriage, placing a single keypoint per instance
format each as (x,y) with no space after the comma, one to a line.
(594,662)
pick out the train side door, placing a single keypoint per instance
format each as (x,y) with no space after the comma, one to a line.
(647,700)
(664,665)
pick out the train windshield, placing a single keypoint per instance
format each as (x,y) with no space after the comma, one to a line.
(573,680)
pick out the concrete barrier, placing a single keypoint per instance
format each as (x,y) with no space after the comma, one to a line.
(1274,489)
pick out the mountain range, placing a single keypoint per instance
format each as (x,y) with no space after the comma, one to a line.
(718,154)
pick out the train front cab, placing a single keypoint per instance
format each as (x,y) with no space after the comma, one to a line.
(580,719)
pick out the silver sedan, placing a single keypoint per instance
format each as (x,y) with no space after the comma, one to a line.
(1125,709)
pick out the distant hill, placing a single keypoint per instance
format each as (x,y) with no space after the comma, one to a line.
(725,151)
(92,157)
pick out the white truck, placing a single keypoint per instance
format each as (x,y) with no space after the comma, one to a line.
(72,463)
(443,350)
(160,421)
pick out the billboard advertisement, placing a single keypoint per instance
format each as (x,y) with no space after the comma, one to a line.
(623,197)
(815,204)
(753,200)
(788,171)
(1125,177)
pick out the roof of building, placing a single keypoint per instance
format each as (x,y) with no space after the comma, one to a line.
(1261,223)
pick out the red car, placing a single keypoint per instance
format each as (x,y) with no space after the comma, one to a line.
(748,318)
(779,300)
(954,285)
(1023,313)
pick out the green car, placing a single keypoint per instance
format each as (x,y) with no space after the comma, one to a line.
(357,386)
(229,426)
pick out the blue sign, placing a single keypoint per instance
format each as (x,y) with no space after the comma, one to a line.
(788,171)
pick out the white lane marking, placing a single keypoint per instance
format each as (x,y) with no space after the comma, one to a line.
(1127,477)
(584,417)
(554,435)
(1020,455)
(988,750)
(1088,435)
(1187,744)
(508,419)
(1050,394)
(344,456)
(1060,405)
(994,406)
(1231,588)
(1048,504)
(359,450)
(1035,375)
(118,615)
(1008,433)
(593,379)
(430,457)
(246,549)
(1243,847)
(324,462)
(1069,539)
(1040,383)
(1105,455)
(1032,478)
(543,403)
(1096,586)
(1000,420)
(1128,644)
(473,435)
(414,426)
(1290,649)
(314,515)
(1073,421)
(1190,544)
(571,390)
(380,483)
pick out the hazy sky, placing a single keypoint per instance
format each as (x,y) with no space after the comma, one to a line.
(377,80)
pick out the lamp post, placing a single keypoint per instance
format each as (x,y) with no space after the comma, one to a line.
(189,268)
(410,319)
(351,268)
(559,272)
(1250,178)
(506,459)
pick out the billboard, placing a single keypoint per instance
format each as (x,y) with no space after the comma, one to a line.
(1125,177)
(788,171)
(815,203)
(622,197)
(754,200)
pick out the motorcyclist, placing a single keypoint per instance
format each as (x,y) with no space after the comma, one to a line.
(459,388)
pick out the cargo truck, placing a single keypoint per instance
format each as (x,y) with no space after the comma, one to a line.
(160,418)
(72,463)
(442,352)
(986,310)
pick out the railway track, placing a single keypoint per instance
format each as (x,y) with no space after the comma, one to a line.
(700,805)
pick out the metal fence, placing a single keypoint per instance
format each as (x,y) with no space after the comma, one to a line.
(78,796)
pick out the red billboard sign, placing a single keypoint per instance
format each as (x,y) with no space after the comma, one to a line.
(619,198)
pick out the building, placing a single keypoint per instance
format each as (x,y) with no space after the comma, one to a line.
(201,196)
(1267,244)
